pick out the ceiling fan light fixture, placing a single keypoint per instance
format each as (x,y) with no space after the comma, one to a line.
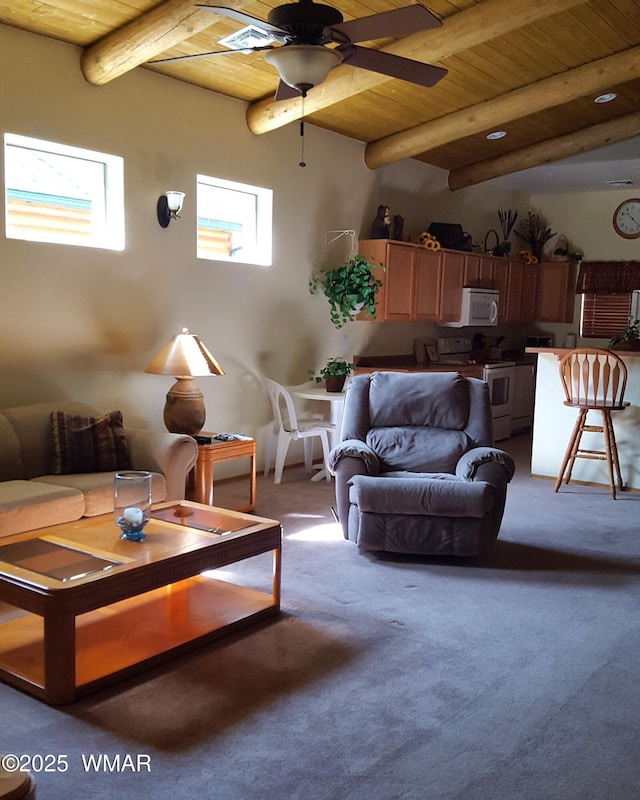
(249,36)
(303,66)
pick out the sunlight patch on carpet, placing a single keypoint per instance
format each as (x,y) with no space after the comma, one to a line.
(327,532)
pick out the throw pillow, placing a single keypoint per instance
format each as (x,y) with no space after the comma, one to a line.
(88,444)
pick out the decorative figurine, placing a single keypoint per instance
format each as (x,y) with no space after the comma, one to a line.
(398,228)
(382,223)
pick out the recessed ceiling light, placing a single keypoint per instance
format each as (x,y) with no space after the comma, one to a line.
(605,98)
(496,135)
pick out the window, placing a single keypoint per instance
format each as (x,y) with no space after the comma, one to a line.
(63,195)
(606,315)
(234,221)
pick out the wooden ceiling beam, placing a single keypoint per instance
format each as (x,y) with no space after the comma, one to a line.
(548,93)
(146,37)
(572,144)
(473,26)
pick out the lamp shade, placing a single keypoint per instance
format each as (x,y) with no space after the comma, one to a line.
(303,66)
(184,355)
(174,201)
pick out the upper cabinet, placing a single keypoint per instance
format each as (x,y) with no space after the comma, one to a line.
(556,291)
(410,283)
(396,298)
(478,271)
(426,286)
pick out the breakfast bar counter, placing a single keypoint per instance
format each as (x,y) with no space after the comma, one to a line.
(553,423)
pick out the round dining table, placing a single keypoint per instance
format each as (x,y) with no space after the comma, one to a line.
(336,399)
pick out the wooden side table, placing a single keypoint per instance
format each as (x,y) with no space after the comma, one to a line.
(200,482)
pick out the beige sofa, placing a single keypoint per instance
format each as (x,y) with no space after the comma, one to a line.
(32,497)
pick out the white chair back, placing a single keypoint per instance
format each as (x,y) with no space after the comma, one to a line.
(284,412)
(287,428)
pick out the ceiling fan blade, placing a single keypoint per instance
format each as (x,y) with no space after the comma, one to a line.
(406,69)
(286,92)
(246,19)
(212,53)
(397,22)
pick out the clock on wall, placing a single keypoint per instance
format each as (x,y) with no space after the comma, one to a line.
(626,218)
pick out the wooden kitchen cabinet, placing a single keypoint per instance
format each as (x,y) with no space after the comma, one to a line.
(516,282)
(396,298)
(411,282)
(452,281)
(478,271)
(428,285)
(529,285)
(398,302)
(555,291)
(501,283)
(513,301)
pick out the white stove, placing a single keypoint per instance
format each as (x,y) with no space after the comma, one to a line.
(499,375)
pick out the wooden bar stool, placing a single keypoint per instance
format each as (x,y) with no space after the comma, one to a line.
(593,380)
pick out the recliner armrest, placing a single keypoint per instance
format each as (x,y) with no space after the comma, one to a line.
(354,448)
(486,464)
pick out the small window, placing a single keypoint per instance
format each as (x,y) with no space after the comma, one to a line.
(234,221)
(63,195)
(605,315)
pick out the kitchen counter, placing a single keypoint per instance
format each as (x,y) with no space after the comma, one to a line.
(553,422)
(407,363)
(559,352)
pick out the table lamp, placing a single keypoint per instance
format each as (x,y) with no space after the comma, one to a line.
(184,356)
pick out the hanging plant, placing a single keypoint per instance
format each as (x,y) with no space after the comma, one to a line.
(349,289)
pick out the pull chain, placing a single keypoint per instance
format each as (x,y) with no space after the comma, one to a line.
(302,162)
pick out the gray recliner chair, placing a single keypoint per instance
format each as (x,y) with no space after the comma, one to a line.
(415,468)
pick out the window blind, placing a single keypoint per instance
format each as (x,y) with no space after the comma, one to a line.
(604,315)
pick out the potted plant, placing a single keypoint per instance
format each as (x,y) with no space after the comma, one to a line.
(535,231)
(629,339)
(334,373)
(349,288)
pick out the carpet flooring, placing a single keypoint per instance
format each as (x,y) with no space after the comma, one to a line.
(388,678)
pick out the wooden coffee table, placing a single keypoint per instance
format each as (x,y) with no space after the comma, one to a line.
(118,607)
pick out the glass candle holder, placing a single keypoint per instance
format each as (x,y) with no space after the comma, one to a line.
(132,503)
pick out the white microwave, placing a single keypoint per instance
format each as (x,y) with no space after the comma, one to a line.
(479,308)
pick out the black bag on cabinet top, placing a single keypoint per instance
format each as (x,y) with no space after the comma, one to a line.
(451,236)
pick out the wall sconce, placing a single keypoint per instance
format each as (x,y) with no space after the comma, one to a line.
(169,207)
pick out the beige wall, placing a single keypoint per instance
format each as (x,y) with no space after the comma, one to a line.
(83,323)
(586,220)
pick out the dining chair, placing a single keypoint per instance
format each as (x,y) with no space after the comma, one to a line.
(288,427)
(593,380)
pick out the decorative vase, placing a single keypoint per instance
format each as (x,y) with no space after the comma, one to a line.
(335,383)
(132,503)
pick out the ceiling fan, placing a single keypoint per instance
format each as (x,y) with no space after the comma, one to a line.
(304,29)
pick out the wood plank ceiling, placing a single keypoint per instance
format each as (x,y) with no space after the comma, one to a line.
(530,67)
